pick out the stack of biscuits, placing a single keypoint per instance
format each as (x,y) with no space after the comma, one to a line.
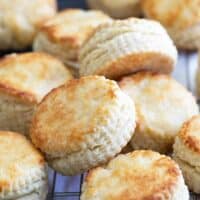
(94,88)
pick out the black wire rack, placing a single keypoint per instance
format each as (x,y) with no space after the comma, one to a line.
(64,188)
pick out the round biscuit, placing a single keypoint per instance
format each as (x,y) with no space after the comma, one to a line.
(187,143)
(127,46)
(180,17)
(137,175)
(161,110)
(83,124)
(23,169)
(20,21)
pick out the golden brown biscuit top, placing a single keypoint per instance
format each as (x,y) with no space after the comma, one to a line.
(162,104)
(178,14)
(190,134)
(30,76)
(70,114)
(19,161)
(73,26)
(133,176)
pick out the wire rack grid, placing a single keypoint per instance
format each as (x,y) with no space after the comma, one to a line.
(63,187)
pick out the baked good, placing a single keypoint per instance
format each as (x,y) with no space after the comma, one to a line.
(64,34)
(138,175)
(127,46)
(191,174)
(24,80)
(162,106)
(187,143)
(91,122)
(198,82)
(198,76)
(23,170)
(187,152)
(117,9)
(180,17)
(20,20)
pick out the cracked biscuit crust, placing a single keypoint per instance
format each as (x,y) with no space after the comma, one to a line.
(137,175)
(162,106)
(29,76)
(92,120)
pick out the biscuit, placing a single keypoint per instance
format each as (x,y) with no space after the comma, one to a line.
(24,80)
(180,17)
(23,170)
(198,77)
(187,143)
(162,106)
(91,122)
(127,46)
(191,175)
(118,9)
(20,20)
(187,152)
(136,176)
(64,34)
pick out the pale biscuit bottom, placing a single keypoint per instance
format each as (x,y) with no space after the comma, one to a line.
(191,174)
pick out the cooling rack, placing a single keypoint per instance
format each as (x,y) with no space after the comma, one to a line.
(64,188)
